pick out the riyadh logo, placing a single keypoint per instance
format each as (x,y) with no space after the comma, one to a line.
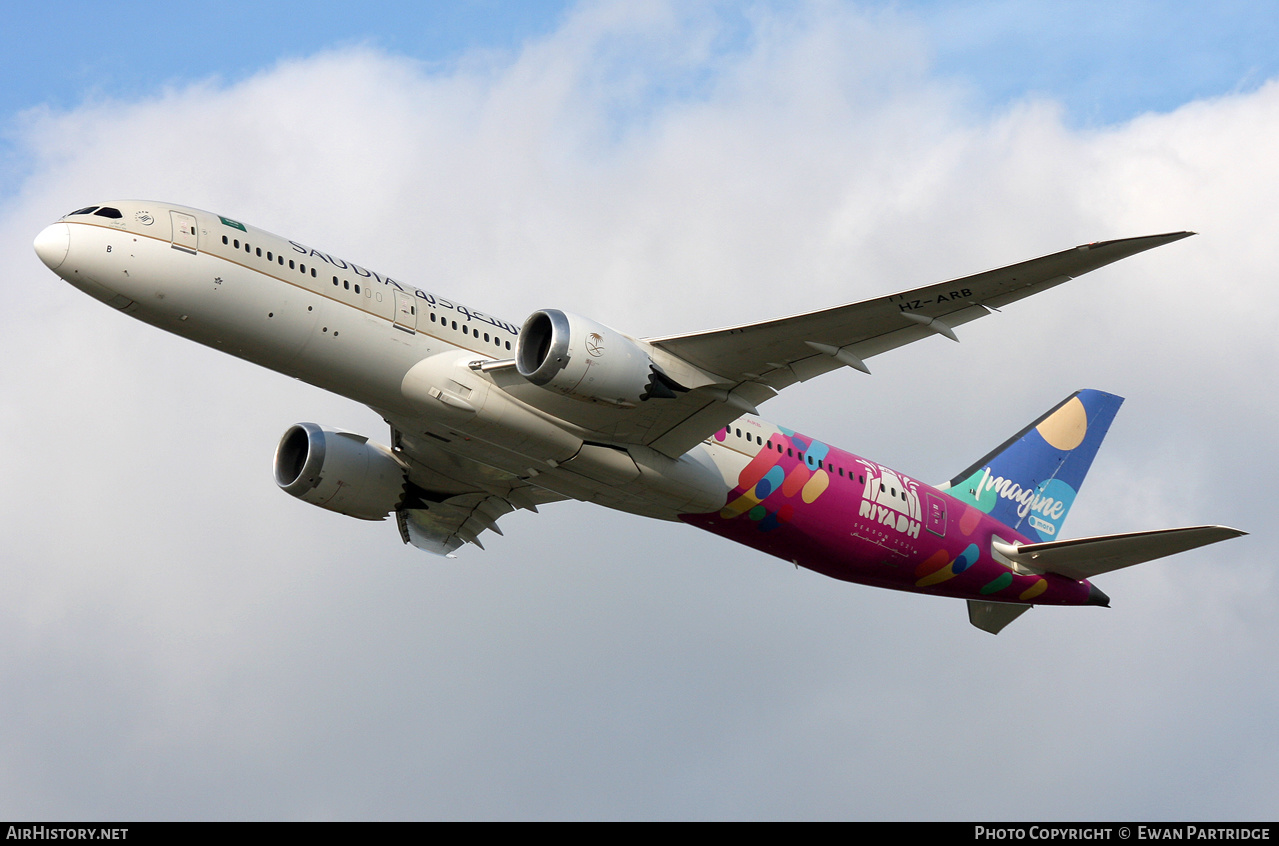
(891,500)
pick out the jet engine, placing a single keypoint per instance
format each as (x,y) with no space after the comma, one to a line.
(340,471)
(580,358)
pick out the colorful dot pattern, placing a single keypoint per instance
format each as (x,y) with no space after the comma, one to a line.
(775,489)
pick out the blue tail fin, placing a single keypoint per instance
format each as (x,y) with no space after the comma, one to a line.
(1030,481)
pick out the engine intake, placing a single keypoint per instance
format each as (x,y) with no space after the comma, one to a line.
(580,358)
(340,471)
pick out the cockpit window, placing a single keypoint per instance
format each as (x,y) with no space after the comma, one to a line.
(107,211)
(85,210)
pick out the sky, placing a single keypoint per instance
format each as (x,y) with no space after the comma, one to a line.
(181,640)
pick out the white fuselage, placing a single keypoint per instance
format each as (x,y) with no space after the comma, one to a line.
(410,355)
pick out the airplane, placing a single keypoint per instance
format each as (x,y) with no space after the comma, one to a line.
(488,416)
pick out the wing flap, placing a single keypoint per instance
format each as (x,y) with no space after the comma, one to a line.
(1084,558)
(441,527)
(455,499)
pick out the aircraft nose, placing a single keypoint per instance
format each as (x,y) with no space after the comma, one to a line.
(52,245)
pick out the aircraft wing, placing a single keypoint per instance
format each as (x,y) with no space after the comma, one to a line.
(754,361)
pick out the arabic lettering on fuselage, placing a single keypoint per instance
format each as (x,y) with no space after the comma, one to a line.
(431,299)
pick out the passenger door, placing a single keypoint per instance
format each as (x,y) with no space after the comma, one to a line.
(406,312)
(185,235)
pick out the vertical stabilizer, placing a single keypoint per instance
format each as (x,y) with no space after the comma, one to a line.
(1030,481)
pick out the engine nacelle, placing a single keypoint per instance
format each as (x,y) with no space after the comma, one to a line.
(580,358)
(340,471)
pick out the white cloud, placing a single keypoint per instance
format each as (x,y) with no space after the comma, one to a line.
(186,641)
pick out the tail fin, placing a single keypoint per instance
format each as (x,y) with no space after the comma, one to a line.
(1030,481)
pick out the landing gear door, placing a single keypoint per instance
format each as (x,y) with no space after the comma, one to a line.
(185,237)
(405,312)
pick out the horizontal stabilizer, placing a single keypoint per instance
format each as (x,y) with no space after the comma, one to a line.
(1084,558)
(993,616)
